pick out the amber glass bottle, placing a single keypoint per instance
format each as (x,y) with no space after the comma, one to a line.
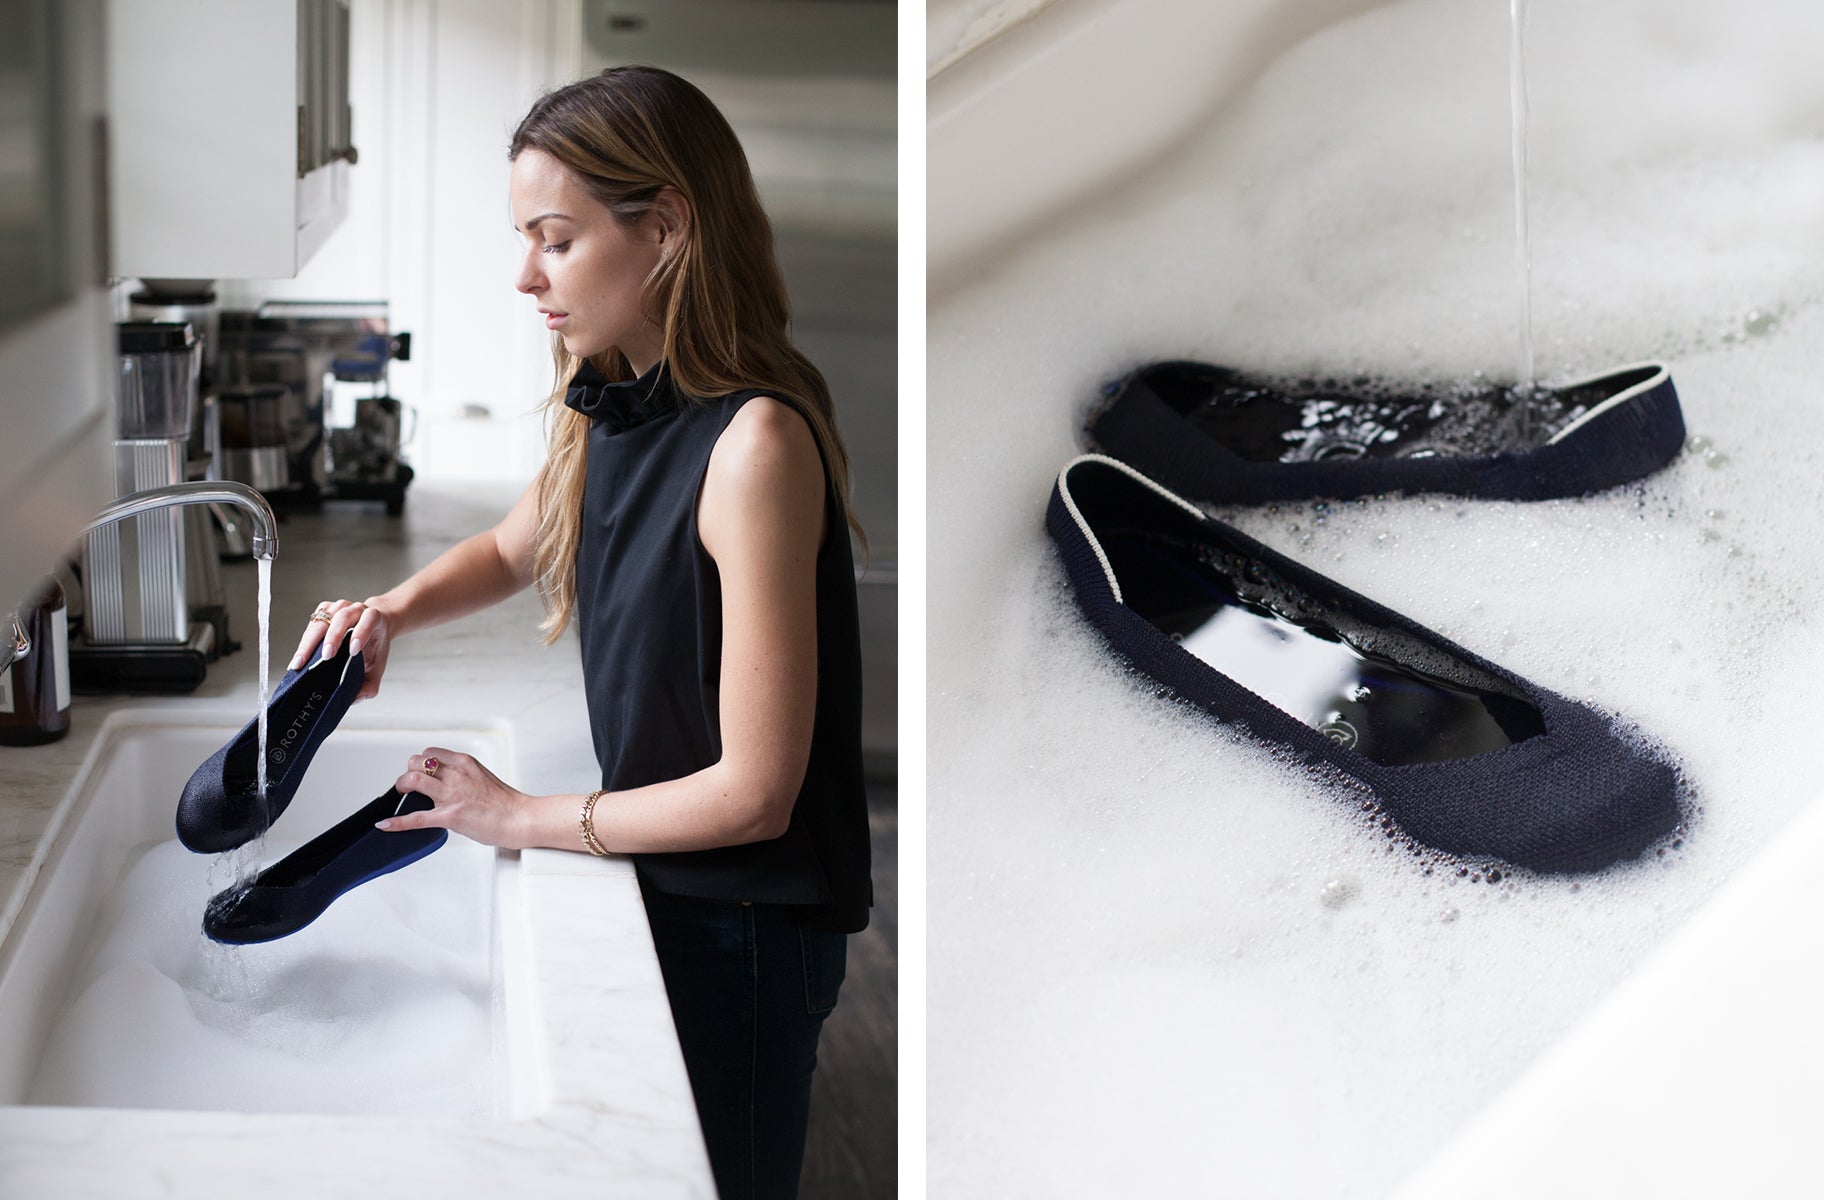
(35,691)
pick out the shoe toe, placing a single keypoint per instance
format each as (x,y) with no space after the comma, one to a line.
(1603,798)
(1622,810)
(1576,798)
(242,915)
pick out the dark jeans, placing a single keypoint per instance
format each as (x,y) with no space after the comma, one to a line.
(749,991)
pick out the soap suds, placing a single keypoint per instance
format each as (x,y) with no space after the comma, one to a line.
(382,1005)
(1139,982)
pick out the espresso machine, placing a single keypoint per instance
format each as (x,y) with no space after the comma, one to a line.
(154,614)
(280,370)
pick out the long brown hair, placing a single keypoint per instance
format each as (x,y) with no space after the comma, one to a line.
(626,134)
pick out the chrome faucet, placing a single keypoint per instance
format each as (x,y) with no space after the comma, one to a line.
(264,541)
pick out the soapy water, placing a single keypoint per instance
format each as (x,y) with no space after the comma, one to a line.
(264,566)
(1523,258)
(1139,982)
(383,1005)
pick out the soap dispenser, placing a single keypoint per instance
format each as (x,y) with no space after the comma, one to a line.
(35,686)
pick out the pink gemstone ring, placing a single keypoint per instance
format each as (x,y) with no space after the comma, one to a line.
(430,766)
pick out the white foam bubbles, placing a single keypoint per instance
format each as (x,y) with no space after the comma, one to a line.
(380,1006)
(1137,981)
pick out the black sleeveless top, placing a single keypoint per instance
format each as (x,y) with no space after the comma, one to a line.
(649,611)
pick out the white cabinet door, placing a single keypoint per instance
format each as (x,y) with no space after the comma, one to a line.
(229,125)
(56,352)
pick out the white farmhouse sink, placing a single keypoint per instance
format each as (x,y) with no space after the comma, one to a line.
(409,995)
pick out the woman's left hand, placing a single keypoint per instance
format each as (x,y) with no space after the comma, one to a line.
(467,798)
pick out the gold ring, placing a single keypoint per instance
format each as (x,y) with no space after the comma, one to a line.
(320,616)
(430,767)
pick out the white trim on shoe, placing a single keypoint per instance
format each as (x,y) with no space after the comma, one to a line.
(1660,375)
(1070,503)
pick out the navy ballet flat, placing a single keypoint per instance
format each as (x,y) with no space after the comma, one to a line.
(221,807)
(1219,435)
(1465,755)
(300,887)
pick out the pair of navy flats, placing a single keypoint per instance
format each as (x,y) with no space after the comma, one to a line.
(300,887)
(222,809)
(1466,756)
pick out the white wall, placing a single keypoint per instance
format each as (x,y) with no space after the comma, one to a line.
(56,366)
(823,146)
(437,86)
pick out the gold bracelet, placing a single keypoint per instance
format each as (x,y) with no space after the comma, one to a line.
(586,823)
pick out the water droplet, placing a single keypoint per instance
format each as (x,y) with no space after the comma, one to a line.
(1338,892)
(1758,322)
(1448,915)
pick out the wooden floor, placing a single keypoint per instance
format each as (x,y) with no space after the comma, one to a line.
(851,1151)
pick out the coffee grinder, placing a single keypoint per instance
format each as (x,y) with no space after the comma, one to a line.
(145,579)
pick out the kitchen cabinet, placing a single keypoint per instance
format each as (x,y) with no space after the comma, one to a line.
(230,131)
(56,386)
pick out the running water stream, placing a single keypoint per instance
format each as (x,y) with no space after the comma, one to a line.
(265,569)
(1523,261)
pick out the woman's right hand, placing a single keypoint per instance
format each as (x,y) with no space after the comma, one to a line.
(365,623)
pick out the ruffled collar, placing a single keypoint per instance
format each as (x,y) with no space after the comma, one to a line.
(625,405)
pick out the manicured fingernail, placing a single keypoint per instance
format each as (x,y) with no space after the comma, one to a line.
(354,645)
(386,824)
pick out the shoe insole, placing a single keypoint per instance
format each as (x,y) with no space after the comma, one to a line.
(1312,420)
(1398,701)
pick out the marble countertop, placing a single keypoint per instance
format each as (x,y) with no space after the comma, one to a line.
(613,1113)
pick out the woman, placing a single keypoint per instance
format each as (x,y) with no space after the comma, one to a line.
(691,521)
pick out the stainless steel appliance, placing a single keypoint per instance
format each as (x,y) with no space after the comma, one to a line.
(135,572)
(164,667)
(253,440)
(151,586)
(297,353)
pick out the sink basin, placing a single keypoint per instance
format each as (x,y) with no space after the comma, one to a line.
(110,996)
